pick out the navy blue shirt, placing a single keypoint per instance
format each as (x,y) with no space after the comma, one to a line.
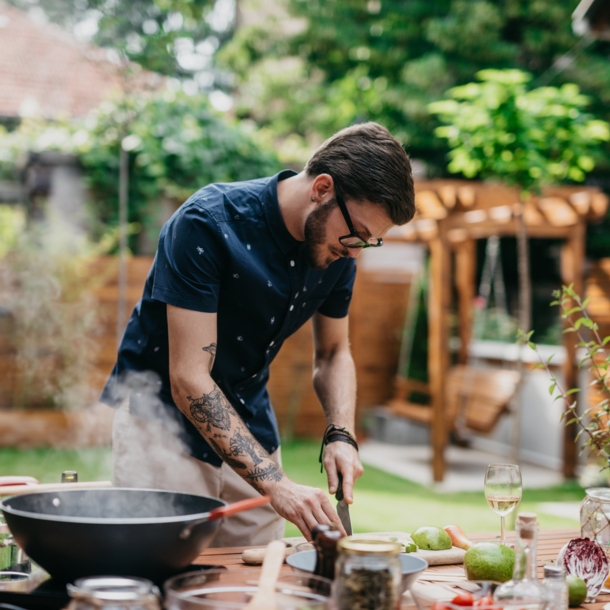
(226,250)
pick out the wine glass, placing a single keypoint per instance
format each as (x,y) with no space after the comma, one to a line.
(503,489)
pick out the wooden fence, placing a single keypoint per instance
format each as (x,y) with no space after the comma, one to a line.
(376,321)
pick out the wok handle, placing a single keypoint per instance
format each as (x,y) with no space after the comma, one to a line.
(225,511)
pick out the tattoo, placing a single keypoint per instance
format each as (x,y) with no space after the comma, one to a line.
(266,473)
(211,409)
(260,490)
(225,456)
(241,444)
(210,349)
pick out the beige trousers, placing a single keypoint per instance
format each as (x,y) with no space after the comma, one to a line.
(146,455)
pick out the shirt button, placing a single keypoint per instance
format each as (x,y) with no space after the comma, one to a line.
(253,376)
(272,342)
(292,263)
(304,303)
(291,307)
(243,402)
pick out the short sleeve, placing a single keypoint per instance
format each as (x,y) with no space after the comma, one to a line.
(337,303)
(188,267)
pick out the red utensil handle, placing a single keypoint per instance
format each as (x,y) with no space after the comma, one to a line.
(237,507)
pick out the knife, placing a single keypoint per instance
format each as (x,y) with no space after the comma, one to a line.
(343,508)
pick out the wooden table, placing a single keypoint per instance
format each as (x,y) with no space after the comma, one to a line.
(549,544)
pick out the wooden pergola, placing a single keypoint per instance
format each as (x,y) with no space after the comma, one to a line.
(453,214)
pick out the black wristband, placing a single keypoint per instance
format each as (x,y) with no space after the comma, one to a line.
(332,434)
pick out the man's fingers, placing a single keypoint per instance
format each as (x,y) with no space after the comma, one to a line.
(331,472)
(332,516)
(303,527)
(348,486)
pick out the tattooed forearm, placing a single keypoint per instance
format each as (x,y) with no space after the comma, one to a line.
(264,473)
(210,349)
(211,409)
(225,456)
(222,427)
(244,445)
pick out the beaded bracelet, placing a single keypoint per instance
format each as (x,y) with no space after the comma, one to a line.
(332,434)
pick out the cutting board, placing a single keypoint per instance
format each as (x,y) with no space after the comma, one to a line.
(452,556)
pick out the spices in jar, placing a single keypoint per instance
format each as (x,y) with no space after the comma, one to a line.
(367,574)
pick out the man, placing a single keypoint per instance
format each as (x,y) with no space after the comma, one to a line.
(239,268)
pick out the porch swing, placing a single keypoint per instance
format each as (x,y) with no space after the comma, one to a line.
(476,397)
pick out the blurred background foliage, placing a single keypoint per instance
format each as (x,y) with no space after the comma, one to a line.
(176,144)
(497,129)
(292,72)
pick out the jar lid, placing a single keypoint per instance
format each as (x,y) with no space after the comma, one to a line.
(554,571)
(354,545)
(599,493)
(113,588)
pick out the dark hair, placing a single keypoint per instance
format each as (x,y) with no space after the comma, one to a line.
(370,165)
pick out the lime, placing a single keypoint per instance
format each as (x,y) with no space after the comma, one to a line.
(577,590)
(489,561)
(431,538)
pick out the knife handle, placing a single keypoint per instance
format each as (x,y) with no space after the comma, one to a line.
(339,494)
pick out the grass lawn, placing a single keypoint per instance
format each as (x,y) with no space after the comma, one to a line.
(383,502)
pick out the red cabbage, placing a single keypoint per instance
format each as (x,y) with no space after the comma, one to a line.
(587,560)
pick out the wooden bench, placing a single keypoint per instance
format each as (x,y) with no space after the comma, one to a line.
(476,397)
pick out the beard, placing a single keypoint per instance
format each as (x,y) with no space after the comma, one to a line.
(315,236)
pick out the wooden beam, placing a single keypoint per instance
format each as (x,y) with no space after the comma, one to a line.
(438,344)
(572,262)
(465,279)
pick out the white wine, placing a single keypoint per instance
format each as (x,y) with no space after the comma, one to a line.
(502,505)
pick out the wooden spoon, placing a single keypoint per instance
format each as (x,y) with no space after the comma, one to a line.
(264,599)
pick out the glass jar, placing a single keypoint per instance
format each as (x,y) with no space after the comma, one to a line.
(595,517)
(555,581)
(367,574)
(113,593)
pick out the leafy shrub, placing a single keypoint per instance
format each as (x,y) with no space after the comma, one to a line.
(47,289)
(176,144)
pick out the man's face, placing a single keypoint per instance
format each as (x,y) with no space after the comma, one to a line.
(326,224)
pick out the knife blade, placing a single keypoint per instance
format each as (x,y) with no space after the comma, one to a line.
(343,508)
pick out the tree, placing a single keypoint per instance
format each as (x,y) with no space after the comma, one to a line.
(497,129)
(176,145)
(387,60)
(173,37)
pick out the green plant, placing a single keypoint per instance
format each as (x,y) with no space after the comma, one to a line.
(594,422)
(46,286)
(176,145)
(498,129)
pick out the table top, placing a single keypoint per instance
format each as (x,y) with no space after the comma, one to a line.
(549,545)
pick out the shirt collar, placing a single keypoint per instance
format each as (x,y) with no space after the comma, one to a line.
(276,223)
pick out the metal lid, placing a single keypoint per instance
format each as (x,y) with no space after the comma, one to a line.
(113,588)
(69,476)
(353,545)
(554,571)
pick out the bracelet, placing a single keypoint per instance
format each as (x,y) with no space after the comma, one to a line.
(332,434)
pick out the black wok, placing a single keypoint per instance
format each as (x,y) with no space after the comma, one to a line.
(128,532)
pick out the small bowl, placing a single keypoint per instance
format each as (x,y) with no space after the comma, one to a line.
(432,598)
(232,590)
(412,566)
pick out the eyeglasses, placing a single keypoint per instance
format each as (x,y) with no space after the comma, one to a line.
(354,239)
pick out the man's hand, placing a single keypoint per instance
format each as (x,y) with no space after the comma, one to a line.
(303,505)
(343,458)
